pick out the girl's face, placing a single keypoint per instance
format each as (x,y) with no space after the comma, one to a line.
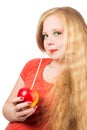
(54,36)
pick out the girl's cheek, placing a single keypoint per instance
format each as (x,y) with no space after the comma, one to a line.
(45,47)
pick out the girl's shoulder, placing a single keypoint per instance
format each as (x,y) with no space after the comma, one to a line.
(36,61)
(33,64)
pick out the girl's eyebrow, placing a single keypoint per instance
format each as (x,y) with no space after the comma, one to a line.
(55,29)
(44,33)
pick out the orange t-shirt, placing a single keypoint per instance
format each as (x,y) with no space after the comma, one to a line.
(41,86)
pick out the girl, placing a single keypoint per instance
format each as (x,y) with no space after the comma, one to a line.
(61,81)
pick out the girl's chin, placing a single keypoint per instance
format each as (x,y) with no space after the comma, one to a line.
(55,58)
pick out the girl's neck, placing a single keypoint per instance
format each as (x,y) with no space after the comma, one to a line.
(52,71)
(57,64)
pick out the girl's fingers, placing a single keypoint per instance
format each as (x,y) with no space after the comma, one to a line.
(22,109)
(23,114)
(17,100)
(22,106)
(32,111)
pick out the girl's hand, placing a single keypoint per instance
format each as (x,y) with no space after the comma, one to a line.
(22,110)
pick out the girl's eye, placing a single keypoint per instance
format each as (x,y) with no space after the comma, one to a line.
(57,33)
(45,36)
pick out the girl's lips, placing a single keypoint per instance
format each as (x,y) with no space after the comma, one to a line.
(52,51)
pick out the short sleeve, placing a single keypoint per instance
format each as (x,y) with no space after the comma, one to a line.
(28,66)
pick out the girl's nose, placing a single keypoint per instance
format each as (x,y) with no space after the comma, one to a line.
(50,43)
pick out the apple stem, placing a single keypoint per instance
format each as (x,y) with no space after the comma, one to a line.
(37,72)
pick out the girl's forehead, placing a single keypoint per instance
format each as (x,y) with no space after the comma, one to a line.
(53,16)
(53,21)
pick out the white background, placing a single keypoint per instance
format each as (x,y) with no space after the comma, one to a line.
(18,22)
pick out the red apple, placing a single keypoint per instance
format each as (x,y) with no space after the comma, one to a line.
(29,95)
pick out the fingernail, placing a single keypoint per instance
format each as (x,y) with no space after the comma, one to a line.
(21,98)
(35,107)
(29,103)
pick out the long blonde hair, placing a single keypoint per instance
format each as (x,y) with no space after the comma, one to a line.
(69,108)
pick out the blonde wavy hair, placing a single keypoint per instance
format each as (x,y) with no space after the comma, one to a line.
(69,94)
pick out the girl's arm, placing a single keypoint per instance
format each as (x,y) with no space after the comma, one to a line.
(14,108)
